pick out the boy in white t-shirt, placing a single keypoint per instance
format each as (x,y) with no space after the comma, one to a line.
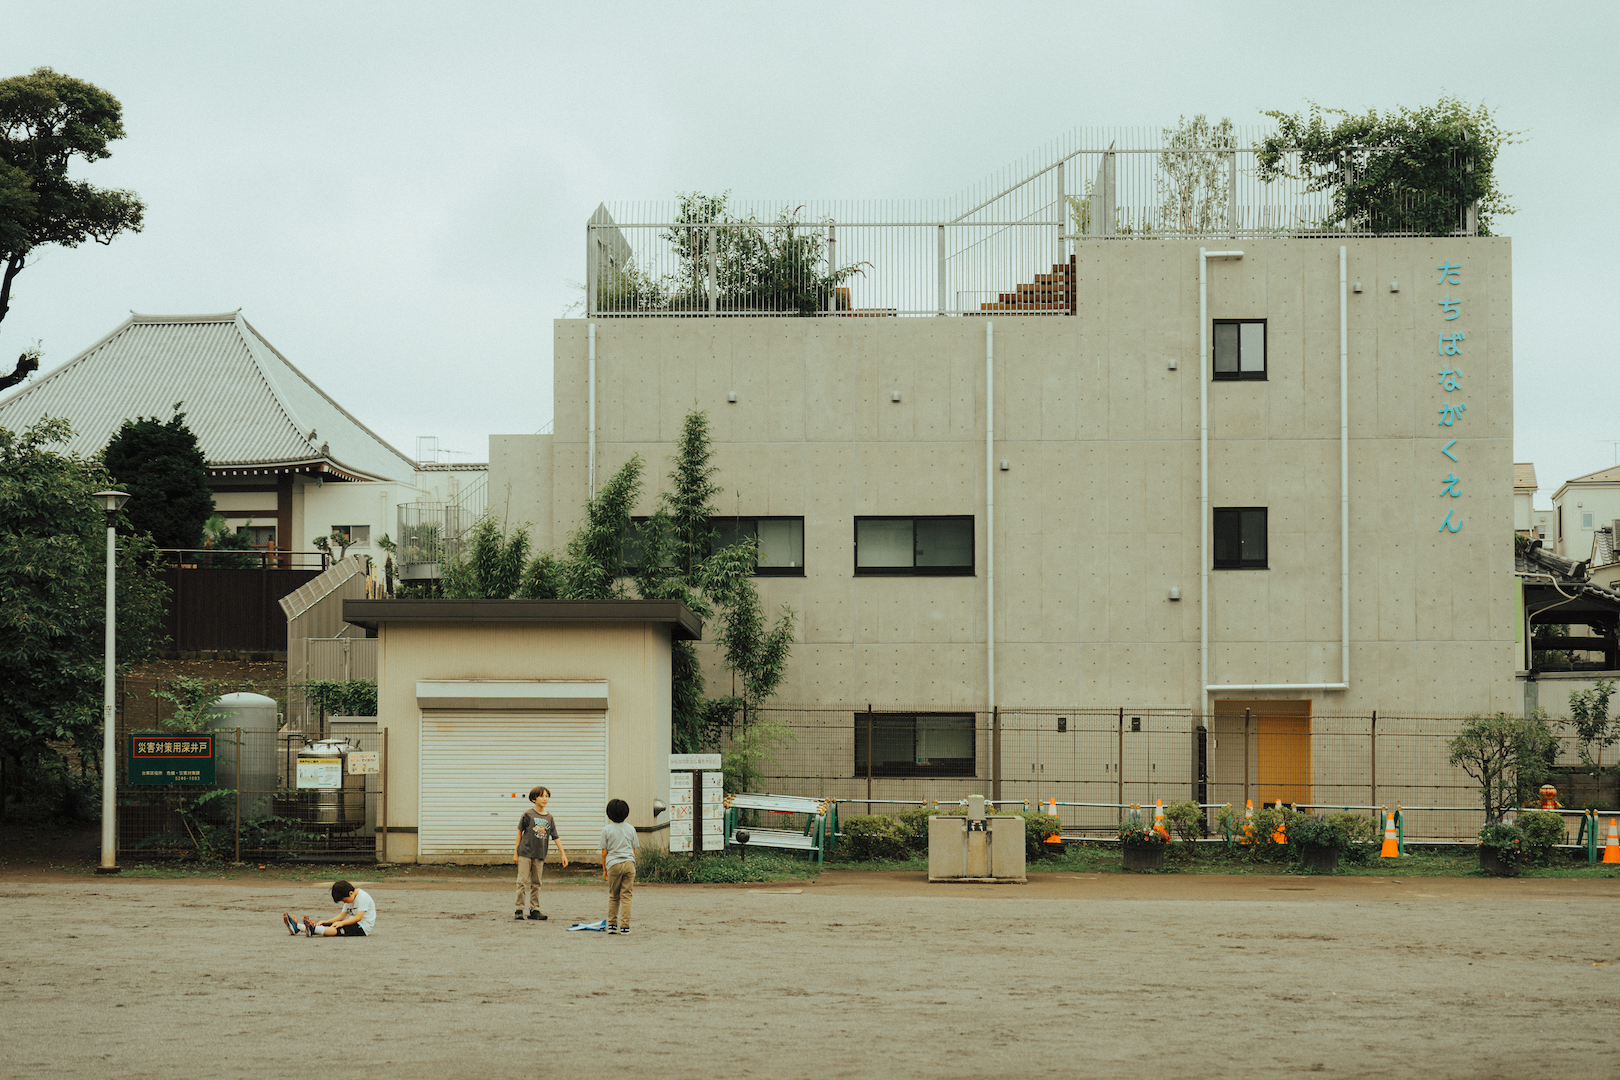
(357,917)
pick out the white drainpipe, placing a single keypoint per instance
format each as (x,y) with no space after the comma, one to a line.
(990,511)
(590,465)
(1204,375)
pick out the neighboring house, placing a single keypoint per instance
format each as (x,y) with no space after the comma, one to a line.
(1021,498)
(1580,507)
(286,462)
(1524,496)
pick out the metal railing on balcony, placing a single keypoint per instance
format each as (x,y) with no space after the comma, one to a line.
(1004,245)
(430,533)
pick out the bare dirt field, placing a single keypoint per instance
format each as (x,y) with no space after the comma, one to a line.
(852,974)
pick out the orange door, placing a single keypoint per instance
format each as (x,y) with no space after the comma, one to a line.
(1284,758)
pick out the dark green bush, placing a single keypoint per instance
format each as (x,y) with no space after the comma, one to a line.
(1505,841)
(876,836)
(916,820)
(1542,830)
(1037,827)
(1185,820)
(1357,828)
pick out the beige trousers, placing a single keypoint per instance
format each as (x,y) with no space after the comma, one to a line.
(621,882)
(528,874)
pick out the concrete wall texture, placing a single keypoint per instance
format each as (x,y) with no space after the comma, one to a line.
(1098,516)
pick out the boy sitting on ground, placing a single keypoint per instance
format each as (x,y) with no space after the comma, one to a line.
(357,917)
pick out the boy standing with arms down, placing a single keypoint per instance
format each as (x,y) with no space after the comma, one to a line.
(536,831)
(618,865)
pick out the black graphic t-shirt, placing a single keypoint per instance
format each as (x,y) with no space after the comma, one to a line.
(537,829)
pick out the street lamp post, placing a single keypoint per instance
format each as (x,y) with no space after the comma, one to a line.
(111,502)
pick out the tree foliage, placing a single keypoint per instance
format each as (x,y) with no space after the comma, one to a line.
(1589,715)
(53,551)
(166,475)
(47,120)
(1509,757)
(1410,170)
(1192,179)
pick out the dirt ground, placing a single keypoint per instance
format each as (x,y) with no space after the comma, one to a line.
(852,974)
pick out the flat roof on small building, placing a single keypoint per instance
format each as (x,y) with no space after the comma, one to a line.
(369,613)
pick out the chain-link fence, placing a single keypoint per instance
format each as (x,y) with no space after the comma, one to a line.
(1096,763)
(259,802)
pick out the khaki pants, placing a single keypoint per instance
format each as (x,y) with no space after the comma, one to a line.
(528,874)
(621,882)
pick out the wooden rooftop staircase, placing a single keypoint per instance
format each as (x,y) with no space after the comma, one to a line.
(1052,293)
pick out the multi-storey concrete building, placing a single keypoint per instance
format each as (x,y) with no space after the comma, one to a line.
(1188,473)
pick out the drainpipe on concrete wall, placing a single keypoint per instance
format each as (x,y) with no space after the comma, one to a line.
(990,512)
(590,464)
(1204,375)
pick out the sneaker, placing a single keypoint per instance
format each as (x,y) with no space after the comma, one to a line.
(292,924)
(518,915)
(537,916)
(624,929)
(309,926)
(612,929)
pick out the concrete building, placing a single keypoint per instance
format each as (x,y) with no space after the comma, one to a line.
(1582,506)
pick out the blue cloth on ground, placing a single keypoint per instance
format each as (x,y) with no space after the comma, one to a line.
(599,924)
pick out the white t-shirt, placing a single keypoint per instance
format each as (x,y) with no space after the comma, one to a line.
(367,907)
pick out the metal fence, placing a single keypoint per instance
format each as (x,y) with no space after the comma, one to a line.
(1004,245)
(430,533)
(1097,762)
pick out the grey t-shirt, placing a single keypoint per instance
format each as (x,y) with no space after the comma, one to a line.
(537,830)
(619,841)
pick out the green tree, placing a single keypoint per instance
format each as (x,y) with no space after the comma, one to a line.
(46,121)
(53,551)
(1589,715)
(1193,174)
(235,548)
(1508,756)
(166,475)
(488,565)
(1410,170)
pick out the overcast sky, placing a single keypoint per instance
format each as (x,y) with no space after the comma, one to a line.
(395,195)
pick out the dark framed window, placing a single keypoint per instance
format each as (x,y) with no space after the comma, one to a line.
(915,744)
(1240,538)
(914,545)
(262,535)
(1240,349)
(781,542)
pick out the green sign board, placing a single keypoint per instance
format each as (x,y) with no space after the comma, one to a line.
(171,757)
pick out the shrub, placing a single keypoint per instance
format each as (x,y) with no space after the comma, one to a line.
(876,836)
(1357,828)
(1542,830)
(1186,820)
(1505,841)
(1317,832)
(1037,827)
(916,820)
(1133,830)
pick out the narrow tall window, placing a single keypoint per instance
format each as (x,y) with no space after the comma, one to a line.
(1240,349)
(1240,538)
(920,545)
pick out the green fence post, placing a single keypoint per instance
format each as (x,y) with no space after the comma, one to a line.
(1400,831)
(1589,823)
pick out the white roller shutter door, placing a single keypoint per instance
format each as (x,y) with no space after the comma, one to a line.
(476,772)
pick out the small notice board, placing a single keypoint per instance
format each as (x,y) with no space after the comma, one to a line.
(168,757)
(695,802)
(321,772)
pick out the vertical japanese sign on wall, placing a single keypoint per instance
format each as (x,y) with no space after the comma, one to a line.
(1450,377)
(696,803)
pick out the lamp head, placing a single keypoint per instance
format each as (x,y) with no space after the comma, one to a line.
(111,501)
(658,807)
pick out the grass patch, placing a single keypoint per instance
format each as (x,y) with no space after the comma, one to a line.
(668,868)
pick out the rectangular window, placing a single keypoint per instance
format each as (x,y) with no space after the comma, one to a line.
(781,542)
(915,744)
(359,535)
(1240,538)
(1240,348)
(1586,521)
(262,535)
(920,545)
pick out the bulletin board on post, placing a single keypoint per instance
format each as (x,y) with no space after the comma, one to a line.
(696,803)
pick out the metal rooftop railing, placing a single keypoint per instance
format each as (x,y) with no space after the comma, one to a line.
(1004,245)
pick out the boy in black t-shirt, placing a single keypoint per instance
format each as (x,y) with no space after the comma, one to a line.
(536,831)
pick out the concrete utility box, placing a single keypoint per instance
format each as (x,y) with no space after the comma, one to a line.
(976,847)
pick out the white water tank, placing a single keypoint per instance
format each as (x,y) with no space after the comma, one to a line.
(255,714)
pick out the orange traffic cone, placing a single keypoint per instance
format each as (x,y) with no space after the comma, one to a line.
(1392,847)
(1611,847)
(1051,807)
(1248,821)
(1158,819)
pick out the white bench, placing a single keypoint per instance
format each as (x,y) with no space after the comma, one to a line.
(817,834)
